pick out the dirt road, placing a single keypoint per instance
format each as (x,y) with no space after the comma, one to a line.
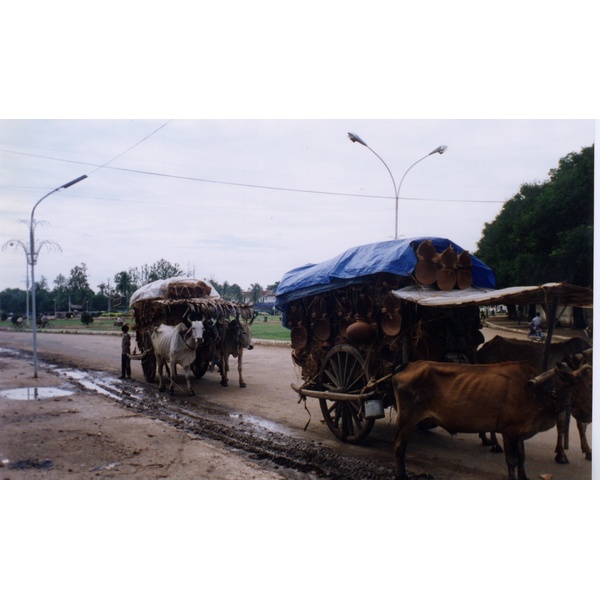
(113,429)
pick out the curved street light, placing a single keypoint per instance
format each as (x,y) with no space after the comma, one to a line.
(34,252)
(439,150)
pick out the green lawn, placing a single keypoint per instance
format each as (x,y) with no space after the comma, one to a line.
(271,330)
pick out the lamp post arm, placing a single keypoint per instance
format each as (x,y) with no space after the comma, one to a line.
(407,170)
(385,165)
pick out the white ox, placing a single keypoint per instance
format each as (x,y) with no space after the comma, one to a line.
(176,346)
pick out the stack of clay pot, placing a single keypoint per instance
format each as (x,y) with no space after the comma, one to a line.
(447,269)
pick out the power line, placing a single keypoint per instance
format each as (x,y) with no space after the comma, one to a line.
(248,185)
(132,147)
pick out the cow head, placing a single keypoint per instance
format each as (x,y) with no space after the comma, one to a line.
(566,389)
(241,334)
(582,393)
(197,331)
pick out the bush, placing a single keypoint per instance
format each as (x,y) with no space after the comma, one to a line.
(86,318)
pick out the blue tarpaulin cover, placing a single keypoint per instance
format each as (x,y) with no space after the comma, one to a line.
(357,264)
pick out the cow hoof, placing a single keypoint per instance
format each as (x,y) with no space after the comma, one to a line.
(224,383)
(561,459)
(588,456)
(242,385)
(497,449)
(171,392)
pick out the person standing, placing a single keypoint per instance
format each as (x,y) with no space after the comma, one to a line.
(125,352)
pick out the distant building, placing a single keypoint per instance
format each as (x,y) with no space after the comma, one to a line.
(266,300)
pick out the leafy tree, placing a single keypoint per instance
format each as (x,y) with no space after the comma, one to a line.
(163,269)
(255,292)
(78,286)
(545,232)
(61,292)
(13,300)
(123,283)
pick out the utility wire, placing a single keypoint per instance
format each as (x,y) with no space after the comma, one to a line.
(249,185)
(132,147)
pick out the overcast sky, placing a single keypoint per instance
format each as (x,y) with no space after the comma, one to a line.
(244,201)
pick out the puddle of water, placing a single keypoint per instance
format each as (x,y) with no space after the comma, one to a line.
(260,422)
(31,463)
(34,393)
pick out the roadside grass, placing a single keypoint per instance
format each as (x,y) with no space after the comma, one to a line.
(272,329)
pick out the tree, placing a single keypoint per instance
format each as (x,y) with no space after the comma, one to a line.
(61,292)
(123,284)
(163,269)
(255,292)
(78,286)
(545,232)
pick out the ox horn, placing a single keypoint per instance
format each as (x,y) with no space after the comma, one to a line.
(185,319)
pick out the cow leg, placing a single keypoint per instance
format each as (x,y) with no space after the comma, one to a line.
(172,385)
(510,454)
(521,459)
(404,429)
(561,456)
(242,384)
(224,370)
(561,440)
(161,385)
(188,380)
(585,448)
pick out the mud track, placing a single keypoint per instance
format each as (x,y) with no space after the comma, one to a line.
(258,439)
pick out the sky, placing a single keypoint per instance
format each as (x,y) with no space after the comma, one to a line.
(246,200)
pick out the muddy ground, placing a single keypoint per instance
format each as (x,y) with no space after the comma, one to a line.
(105,428)
(82,435)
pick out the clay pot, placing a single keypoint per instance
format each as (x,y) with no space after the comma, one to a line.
(322,329)
(448,258)
(425,273)
(361,332)
(426,251)
(446,279)
(464,279)
(299,337)
(344,324)
(391,323)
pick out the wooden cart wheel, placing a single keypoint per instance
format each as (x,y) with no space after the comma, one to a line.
(200,365)
(149,361)
(344,371)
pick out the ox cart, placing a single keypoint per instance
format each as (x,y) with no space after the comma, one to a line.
(357,318)
(173,301)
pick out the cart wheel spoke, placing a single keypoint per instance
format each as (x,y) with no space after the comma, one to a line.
(344,371)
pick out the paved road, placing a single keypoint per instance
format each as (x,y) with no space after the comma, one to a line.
(270,402)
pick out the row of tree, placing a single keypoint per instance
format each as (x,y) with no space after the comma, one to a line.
(74,292)
(545,232)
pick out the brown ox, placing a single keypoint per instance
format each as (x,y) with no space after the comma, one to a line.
(237,336)
(500,349)
(507,398)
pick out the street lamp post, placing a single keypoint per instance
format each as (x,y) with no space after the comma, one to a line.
(32,260)
(439,150)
